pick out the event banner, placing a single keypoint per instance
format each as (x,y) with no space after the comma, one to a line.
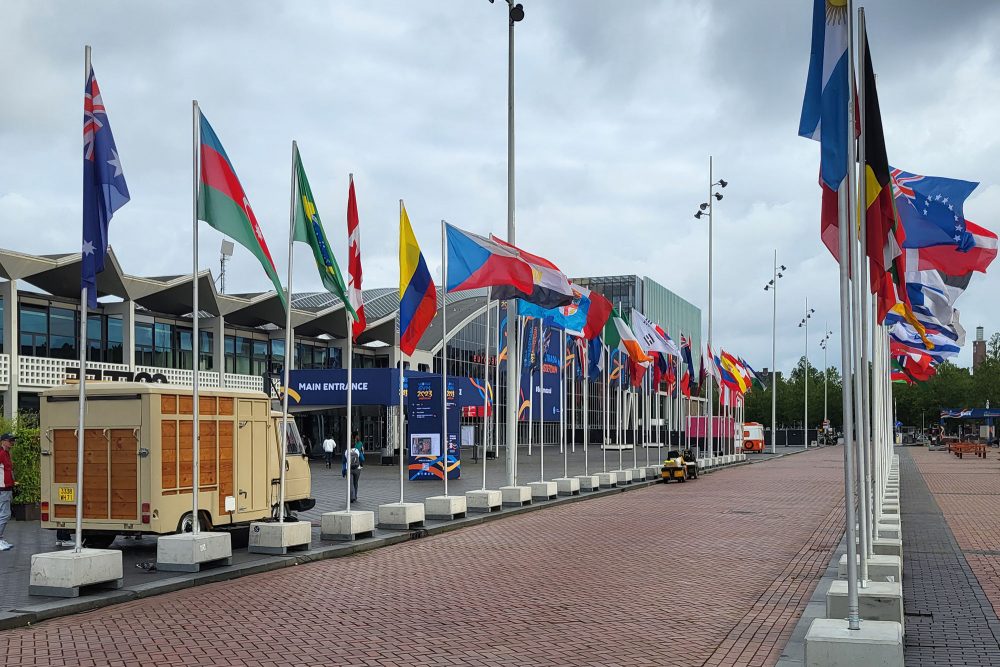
(429,457)
(532,368)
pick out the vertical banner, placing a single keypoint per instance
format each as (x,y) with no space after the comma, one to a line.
(428,455)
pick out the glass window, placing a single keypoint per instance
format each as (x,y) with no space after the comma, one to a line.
(163,349)
(114,347)
(335,357)
(185,347)
(34,320)
(278,350)
(62,333)
(243,348)
(258,364)
(207,352)
(144,344)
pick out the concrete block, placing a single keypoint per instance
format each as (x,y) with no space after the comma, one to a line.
(880,567)
(567,486)
(702,463)
(623,476)
(484,501)
(607,480)
(188,552)
(445,508)
(829,643)
(401,516)
(638,474)
(887,547)
(63,573)
(272,537)
(891,519)
(516,496)
(589,482)
(652,472)
(878,601)
(543,490)
(889,530)
(347,526)
(890,508)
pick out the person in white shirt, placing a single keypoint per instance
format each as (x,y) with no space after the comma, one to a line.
(329,447)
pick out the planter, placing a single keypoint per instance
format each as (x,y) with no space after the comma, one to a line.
(26,512)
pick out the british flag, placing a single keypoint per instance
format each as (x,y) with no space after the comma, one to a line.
(901,184)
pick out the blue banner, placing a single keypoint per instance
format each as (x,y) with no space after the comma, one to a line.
(428,456)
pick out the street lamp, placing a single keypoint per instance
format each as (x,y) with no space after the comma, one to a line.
(716,196)
(825,344)
(805,377)
(516,14)
(772,285)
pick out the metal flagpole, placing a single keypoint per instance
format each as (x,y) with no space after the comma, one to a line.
(562,401)
(496,387)
(513,383)
(621,371)
(711,427)
(846,202)
(774,355)
(586,412)
(486,384)
(607,401)
(805,377)
(402,405)
(81,426)
(286,374)
(350,396)
(572,390)
(444,357)
(195,432)
(531,398)
(541,399)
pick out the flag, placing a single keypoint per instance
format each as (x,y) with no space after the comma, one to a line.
(417,294)
(354,264)
(308,229)
(104,188)
(474,261)
(595,358)
(650,337)
(729,365)
(598,312)
(756,377)
(662,333)
(942,346)
(550,286)
(618,334)
(686,352)
(686,384)
(931,209)
(702,376)
(824,107)
(571,318)
(223,204)
(949,259)
(884,235)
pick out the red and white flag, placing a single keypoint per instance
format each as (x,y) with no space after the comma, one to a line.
(354,264)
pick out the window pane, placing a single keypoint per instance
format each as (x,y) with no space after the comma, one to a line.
(260,349)
(230,344)
(34,320)
(144,335)
(277,349)
(63,347)
(62,322)
(185,339)
(162,336)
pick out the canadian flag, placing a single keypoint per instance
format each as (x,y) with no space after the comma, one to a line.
(354,264)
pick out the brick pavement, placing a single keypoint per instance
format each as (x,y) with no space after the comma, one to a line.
(723,565)
(951,583)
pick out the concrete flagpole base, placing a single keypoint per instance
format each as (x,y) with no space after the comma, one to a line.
(484,500)
(607,480)
(64,573)
(878,601)
(401,516)
(638,474)
(567,486)
(515,496)
(543,490)
(829,643)
(445,508)
(880,567)
(188,552)
(272,537)
(623,476)
(589,482)
(347,526)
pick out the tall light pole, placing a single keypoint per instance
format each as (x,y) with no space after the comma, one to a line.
(710,434)
(805,377)
(516,13)
(825,344)
(772,285)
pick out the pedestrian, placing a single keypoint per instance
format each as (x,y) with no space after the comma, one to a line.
(6,486)
(329,447)
(354,458)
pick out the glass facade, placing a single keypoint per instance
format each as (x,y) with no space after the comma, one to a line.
(53,331)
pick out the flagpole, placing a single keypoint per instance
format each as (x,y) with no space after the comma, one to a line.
(531,397)
(621,428)
(402,407)
(496,385)
(562,401)
(486,384)
(586,412)
(607,402)
(195,409)
(541,399)
(572,391)
(283,440)
(350,397)
(444,356)
(80,431)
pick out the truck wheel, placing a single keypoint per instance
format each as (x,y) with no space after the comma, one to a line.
(683,478)
(98,541)
(186,524)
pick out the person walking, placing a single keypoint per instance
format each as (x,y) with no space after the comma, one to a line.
(354,459)
(6,486)
(329,447)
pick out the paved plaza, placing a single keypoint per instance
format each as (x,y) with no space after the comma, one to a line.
(721,565)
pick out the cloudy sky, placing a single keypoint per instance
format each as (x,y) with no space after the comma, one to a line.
(619,105)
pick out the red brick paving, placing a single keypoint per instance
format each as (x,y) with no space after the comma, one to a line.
(725,564)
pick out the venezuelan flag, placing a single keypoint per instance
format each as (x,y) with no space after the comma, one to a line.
(417,294)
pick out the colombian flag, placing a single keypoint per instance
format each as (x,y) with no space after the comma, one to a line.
(417,294)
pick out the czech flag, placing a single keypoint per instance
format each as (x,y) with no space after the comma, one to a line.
(475,261)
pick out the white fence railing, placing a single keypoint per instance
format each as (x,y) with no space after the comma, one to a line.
(42,372)
(4,370)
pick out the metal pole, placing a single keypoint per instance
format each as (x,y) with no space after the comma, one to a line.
(607,402)
(586,412)
(846,355)
(512,370)
(486,385)
(710,433)
(572,392)
(562,401)
(402,405)
(805,416)
(195,343)
(444,357)
(774,355)
(350,388)
(81,428)
(286,374)
(541,399)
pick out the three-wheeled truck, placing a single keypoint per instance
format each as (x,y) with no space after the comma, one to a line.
(138,460)
(679,466)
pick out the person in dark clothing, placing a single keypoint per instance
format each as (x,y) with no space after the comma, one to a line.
(353,460)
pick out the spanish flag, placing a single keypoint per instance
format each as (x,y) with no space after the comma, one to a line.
(417,294)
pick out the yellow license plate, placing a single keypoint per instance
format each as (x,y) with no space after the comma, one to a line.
(67,494)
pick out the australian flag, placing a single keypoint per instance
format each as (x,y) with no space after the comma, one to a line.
(104,188)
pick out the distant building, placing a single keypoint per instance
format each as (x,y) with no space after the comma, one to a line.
(978,349)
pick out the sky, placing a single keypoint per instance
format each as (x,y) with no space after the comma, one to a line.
(618,108)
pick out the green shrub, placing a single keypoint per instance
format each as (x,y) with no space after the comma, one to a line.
(26,455)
